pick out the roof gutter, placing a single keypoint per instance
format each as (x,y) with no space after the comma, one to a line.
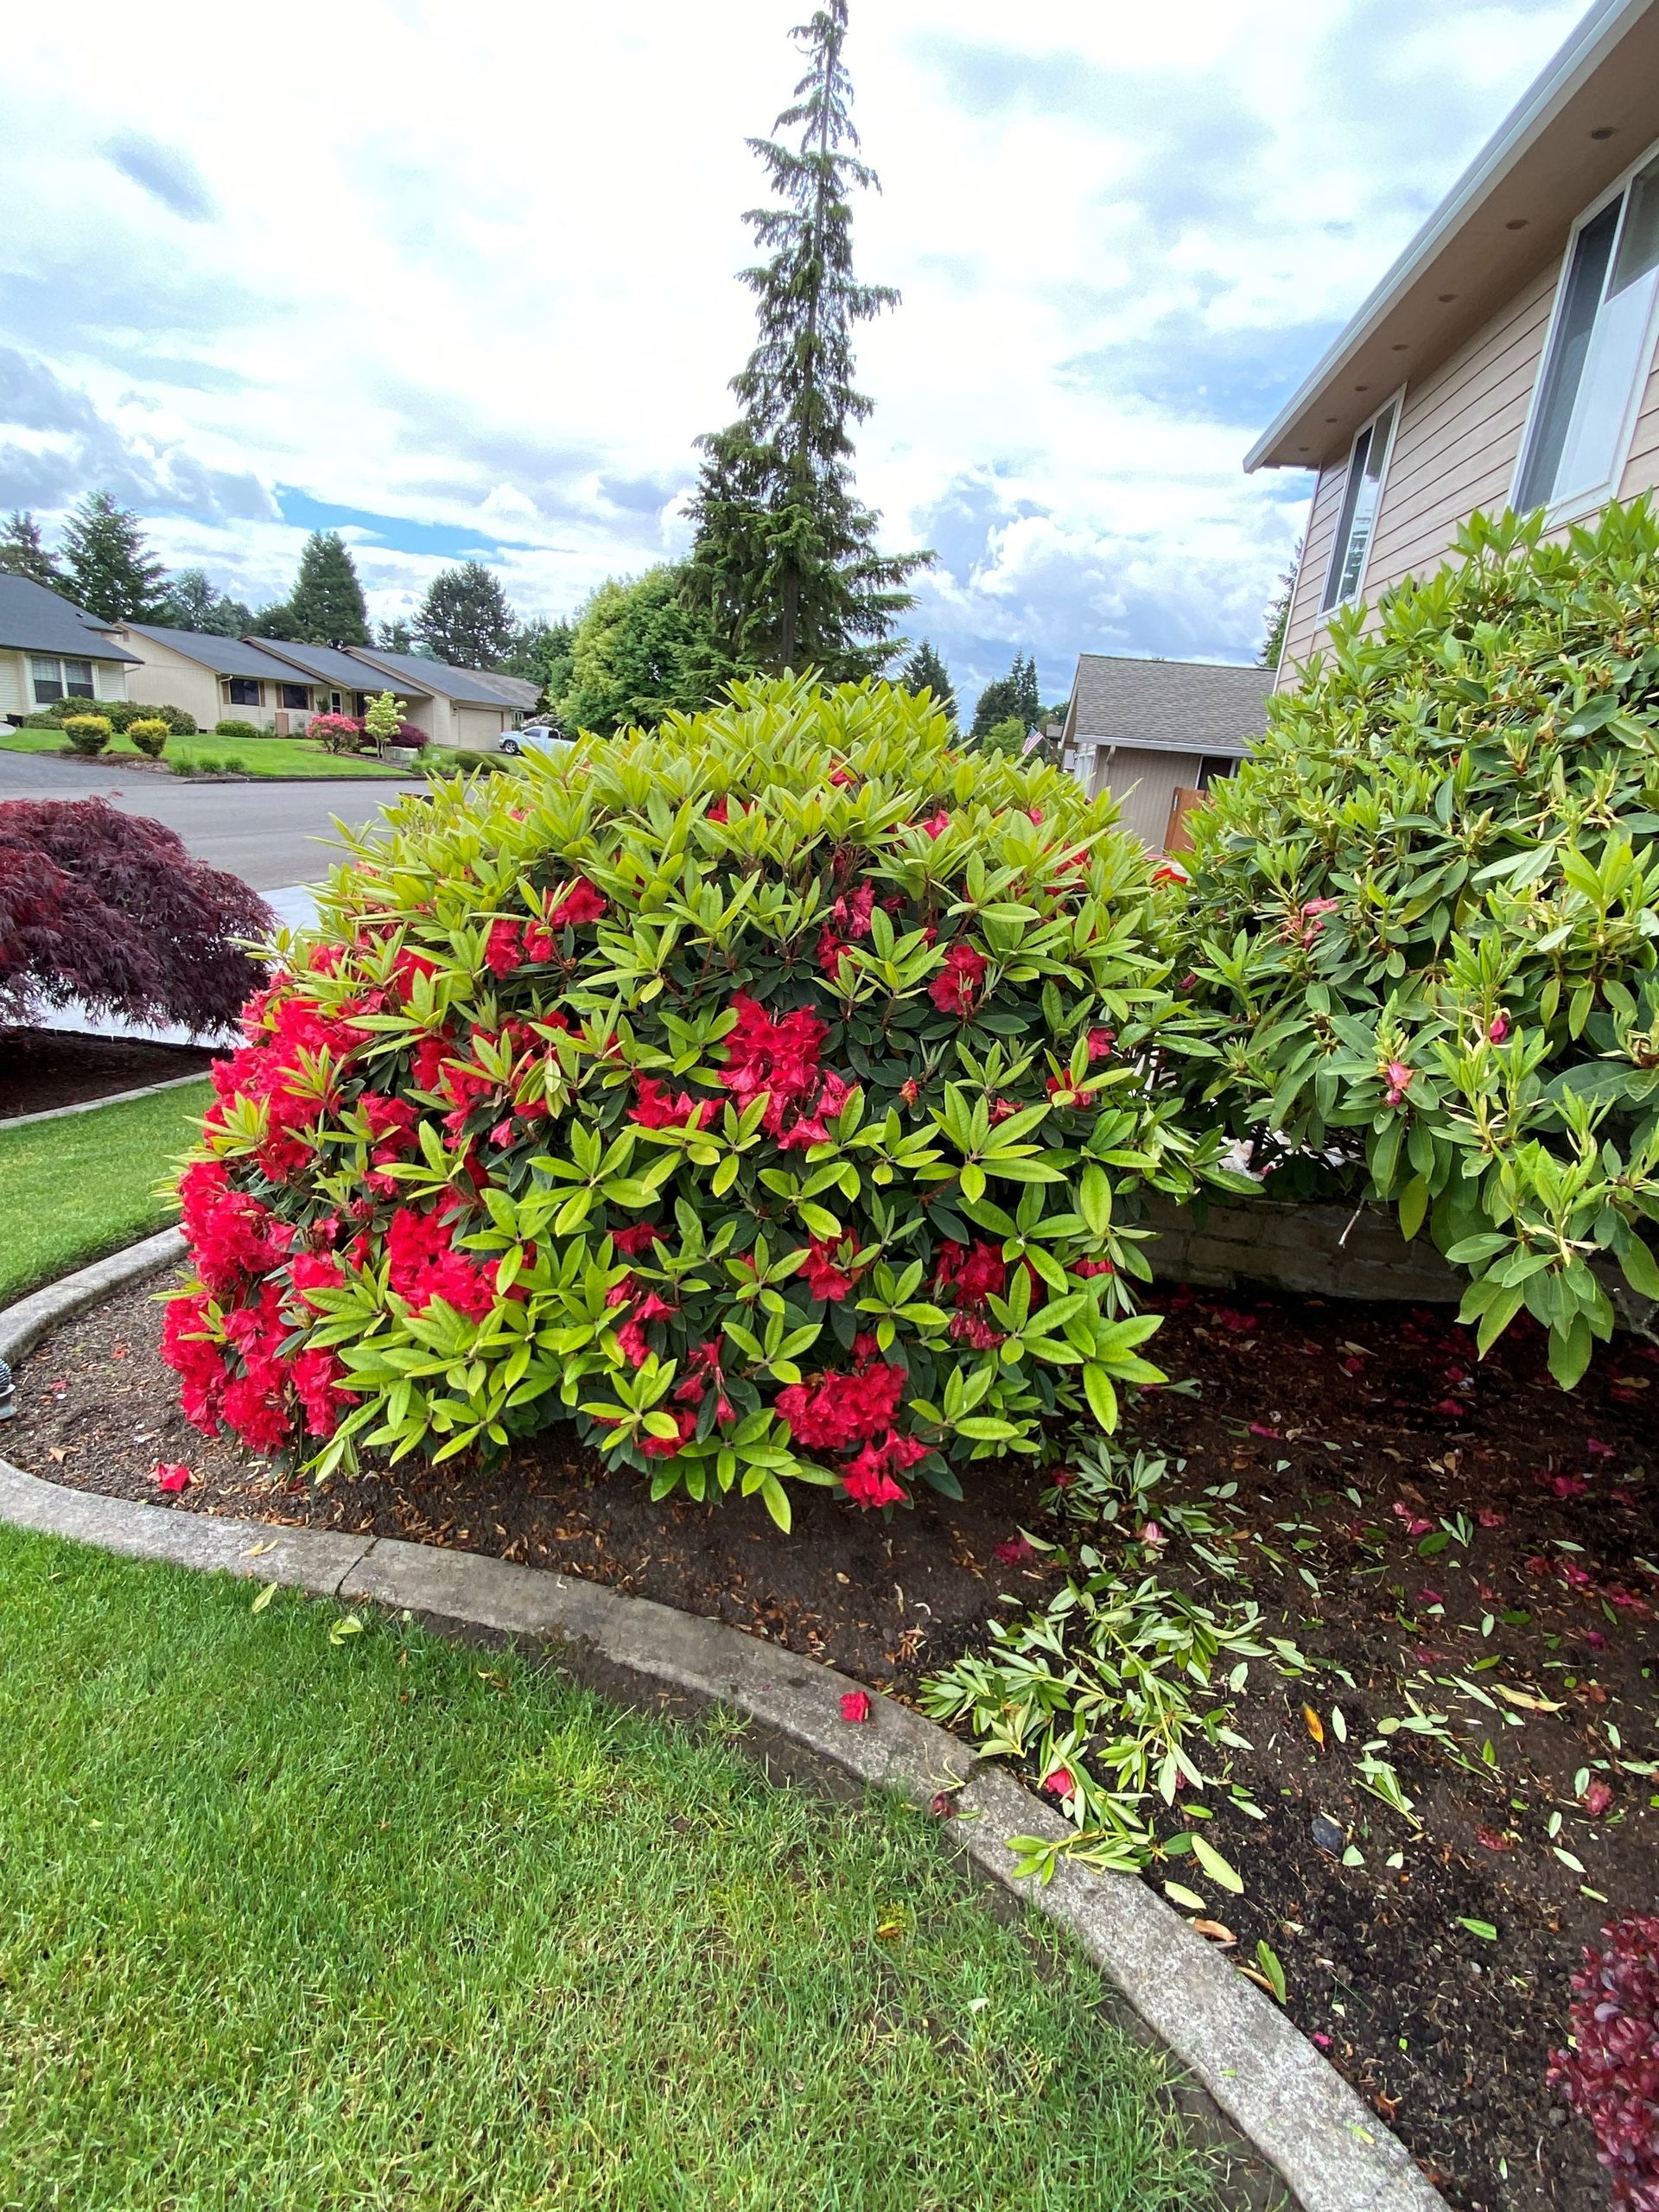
(1601,30)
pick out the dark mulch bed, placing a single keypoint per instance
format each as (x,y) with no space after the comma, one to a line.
(43,1067)
(1301,1406)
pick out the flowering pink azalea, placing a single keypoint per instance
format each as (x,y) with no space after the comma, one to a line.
(1400,1081)
(855,1705)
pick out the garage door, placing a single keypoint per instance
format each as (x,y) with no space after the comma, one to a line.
(479,727)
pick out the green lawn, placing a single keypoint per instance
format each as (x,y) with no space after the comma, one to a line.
(287,759)
(299,1923)
(73,1189)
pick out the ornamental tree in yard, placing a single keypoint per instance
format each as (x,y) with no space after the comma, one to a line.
(110,909)
(771,1094)
(1424,916)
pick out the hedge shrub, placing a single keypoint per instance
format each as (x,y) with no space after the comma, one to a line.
(1424,914)
(769,1094)
(230,726)
(149,734)
(87,734)
(120,714)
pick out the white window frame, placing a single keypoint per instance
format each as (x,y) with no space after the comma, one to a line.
(1338,551)
(62,663)
(1580,505)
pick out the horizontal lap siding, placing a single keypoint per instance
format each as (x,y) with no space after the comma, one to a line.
(1454,452)
(1143,784)
(1458,439)
(1642,469)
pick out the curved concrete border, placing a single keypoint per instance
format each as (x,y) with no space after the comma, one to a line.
(92,1105)
(1331,2151)
(22,1325)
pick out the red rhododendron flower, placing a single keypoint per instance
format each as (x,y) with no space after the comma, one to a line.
(1595,1797)
(1060,1782)
(910,1091)
(634,1244)
(975,1271)
(717,812)
(869,1485)
(583,902)
(503,949)
(1100,1043)
(854,1704)
(828,1273)
(406,965)
(171,1477)
(669,1448)
(423,1264)
(837,1411)
(1169,874)
(1498,1029)
(1014,1551)
(937,822)
(655,1109)
(955,989)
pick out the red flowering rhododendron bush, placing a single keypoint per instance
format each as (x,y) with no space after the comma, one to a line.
(770,1093)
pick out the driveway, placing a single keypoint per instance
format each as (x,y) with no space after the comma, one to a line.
(266,833)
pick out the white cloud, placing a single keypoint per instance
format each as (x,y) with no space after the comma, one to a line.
(474,268)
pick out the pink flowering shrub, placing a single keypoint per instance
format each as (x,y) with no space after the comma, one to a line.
(1611,2075)
(771,1094)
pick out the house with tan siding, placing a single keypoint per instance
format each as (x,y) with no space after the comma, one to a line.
(1158,733)
(50,649)
(1507,359)
(216,679)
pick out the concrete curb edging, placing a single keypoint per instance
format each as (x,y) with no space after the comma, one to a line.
(22,1325)
(92,1105)
(1296,2110)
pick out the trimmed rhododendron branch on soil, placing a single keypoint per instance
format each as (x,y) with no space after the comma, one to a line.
(772,1093)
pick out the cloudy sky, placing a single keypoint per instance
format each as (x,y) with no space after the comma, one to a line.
(459,280)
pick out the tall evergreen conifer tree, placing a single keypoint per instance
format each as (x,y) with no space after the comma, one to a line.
(113,573)
(327,606)
(22,552)
(465,618)
(784,563)
(925,672)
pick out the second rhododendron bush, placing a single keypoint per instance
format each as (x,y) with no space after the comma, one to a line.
(772,1094)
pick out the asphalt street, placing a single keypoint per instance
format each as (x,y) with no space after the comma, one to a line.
(269,834)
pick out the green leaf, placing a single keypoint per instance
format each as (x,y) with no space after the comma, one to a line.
(1103,1398)
(1641,1268)
(1217,1868)
(1484,1929)
(1413,1205)
(265,1596)
(1189,1900)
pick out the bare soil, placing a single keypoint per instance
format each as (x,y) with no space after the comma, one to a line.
(1454,1546)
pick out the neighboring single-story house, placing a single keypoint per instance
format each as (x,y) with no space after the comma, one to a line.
(340,683)
(1507,359)
(1157,733)
(50,649)
(463,706)
(213,678)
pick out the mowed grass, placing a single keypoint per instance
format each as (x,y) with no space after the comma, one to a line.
(286,758)
(73,1189)
(294,1919)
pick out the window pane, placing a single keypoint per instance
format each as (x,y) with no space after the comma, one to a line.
(48,678)
(1564,370)
(77,690)
(1638,246)
(78,674)
(294,694)
(244,691)
(1358,509)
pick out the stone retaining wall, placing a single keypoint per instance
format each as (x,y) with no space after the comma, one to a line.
(1326,1251)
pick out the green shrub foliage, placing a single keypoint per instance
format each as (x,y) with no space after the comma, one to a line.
(149,734)
(1425,911)
(87,734)
(230,727)
(120,714)
(770,1093)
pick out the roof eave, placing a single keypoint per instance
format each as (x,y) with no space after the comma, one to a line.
(1591,42)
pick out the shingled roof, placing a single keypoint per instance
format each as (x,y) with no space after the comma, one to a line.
(467,686)
(1174,705)
(225,656)
(42,621)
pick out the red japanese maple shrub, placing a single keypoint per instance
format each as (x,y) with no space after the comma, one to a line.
(110,909)
(770,1093)
(1611,2075)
